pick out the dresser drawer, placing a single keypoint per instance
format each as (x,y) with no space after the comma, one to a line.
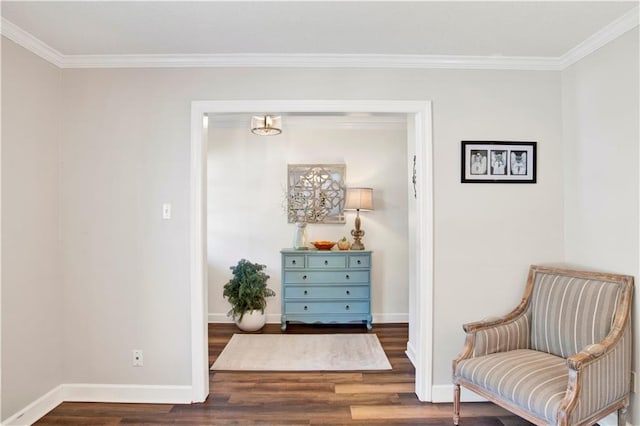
(326,292)
(335,261)
(359,261)
(325,277)
(327,308)
(294,261)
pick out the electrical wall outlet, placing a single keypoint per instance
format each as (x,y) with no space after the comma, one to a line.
(633,382)
(137,361)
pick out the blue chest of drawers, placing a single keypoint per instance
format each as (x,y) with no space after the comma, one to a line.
(326,286)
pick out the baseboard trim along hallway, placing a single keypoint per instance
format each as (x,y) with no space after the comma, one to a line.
(84,392)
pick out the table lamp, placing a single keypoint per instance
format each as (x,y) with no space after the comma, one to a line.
(358,199)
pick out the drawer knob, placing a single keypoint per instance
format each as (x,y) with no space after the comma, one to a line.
(304,277)
(305,292)
(294,261)
(306,308)
(347,307)
(347,276)
(326,262)
(348,292)
(359,262)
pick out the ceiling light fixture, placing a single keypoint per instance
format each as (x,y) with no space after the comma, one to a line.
(266,125)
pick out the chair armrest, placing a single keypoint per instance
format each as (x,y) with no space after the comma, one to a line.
(586,355)
(472,327)
(493,335)
(475,347)
(603,365)
(521,309)
(618,332)
(593,352)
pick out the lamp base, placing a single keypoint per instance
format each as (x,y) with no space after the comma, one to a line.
(357,237)
(357,245)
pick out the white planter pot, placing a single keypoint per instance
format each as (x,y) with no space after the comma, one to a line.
(252,321)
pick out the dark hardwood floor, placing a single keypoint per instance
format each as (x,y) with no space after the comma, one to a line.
(264,398)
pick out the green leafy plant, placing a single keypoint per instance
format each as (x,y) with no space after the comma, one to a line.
(247,290)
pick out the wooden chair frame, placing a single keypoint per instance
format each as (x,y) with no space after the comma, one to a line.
(575,363)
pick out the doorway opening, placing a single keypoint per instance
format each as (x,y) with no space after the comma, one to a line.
(419,147)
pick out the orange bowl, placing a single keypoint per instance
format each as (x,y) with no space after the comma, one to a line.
(323,245)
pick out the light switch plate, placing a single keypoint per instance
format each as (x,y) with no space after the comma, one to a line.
(166,211)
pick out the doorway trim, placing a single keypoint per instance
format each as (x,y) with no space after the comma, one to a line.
(420,141)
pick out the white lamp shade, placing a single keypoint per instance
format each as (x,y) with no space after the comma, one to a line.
(359,199)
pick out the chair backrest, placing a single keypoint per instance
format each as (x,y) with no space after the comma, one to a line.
(570,312)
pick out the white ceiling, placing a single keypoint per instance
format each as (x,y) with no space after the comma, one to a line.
(547,29)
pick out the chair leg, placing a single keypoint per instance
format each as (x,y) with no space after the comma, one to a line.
(456,404)
(622,416)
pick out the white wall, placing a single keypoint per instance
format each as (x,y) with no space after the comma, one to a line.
(125,151)
(32,296)
(487,235)
(247,181)
(600,126)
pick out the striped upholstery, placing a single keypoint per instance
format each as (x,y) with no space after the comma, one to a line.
(521,359)
(606,380)
(530,379)
(504,337)
(570,313)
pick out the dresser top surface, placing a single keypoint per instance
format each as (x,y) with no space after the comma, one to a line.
(315,251)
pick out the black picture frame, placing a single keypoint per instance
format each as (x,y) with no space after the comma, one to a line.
(498,162)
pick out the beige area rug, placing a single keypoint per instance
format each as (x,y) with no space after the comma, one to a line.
(302,352)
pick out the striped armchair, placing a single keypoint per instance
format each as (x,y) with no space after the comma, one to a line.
(562,357)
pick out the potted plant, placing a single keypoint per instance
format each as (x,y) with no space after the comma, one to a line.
(247,292)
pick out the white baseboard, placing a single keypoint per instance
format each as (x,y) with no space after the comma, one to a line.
(38,408)
(390,318)
(218,319)
(213,318)
(82,392)
(148,394)
(444,393)
(411,353)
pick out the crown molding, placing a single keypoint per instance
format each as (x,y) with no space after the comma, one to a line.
(599,39)
(31,43)
(309,61)
(607,34)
